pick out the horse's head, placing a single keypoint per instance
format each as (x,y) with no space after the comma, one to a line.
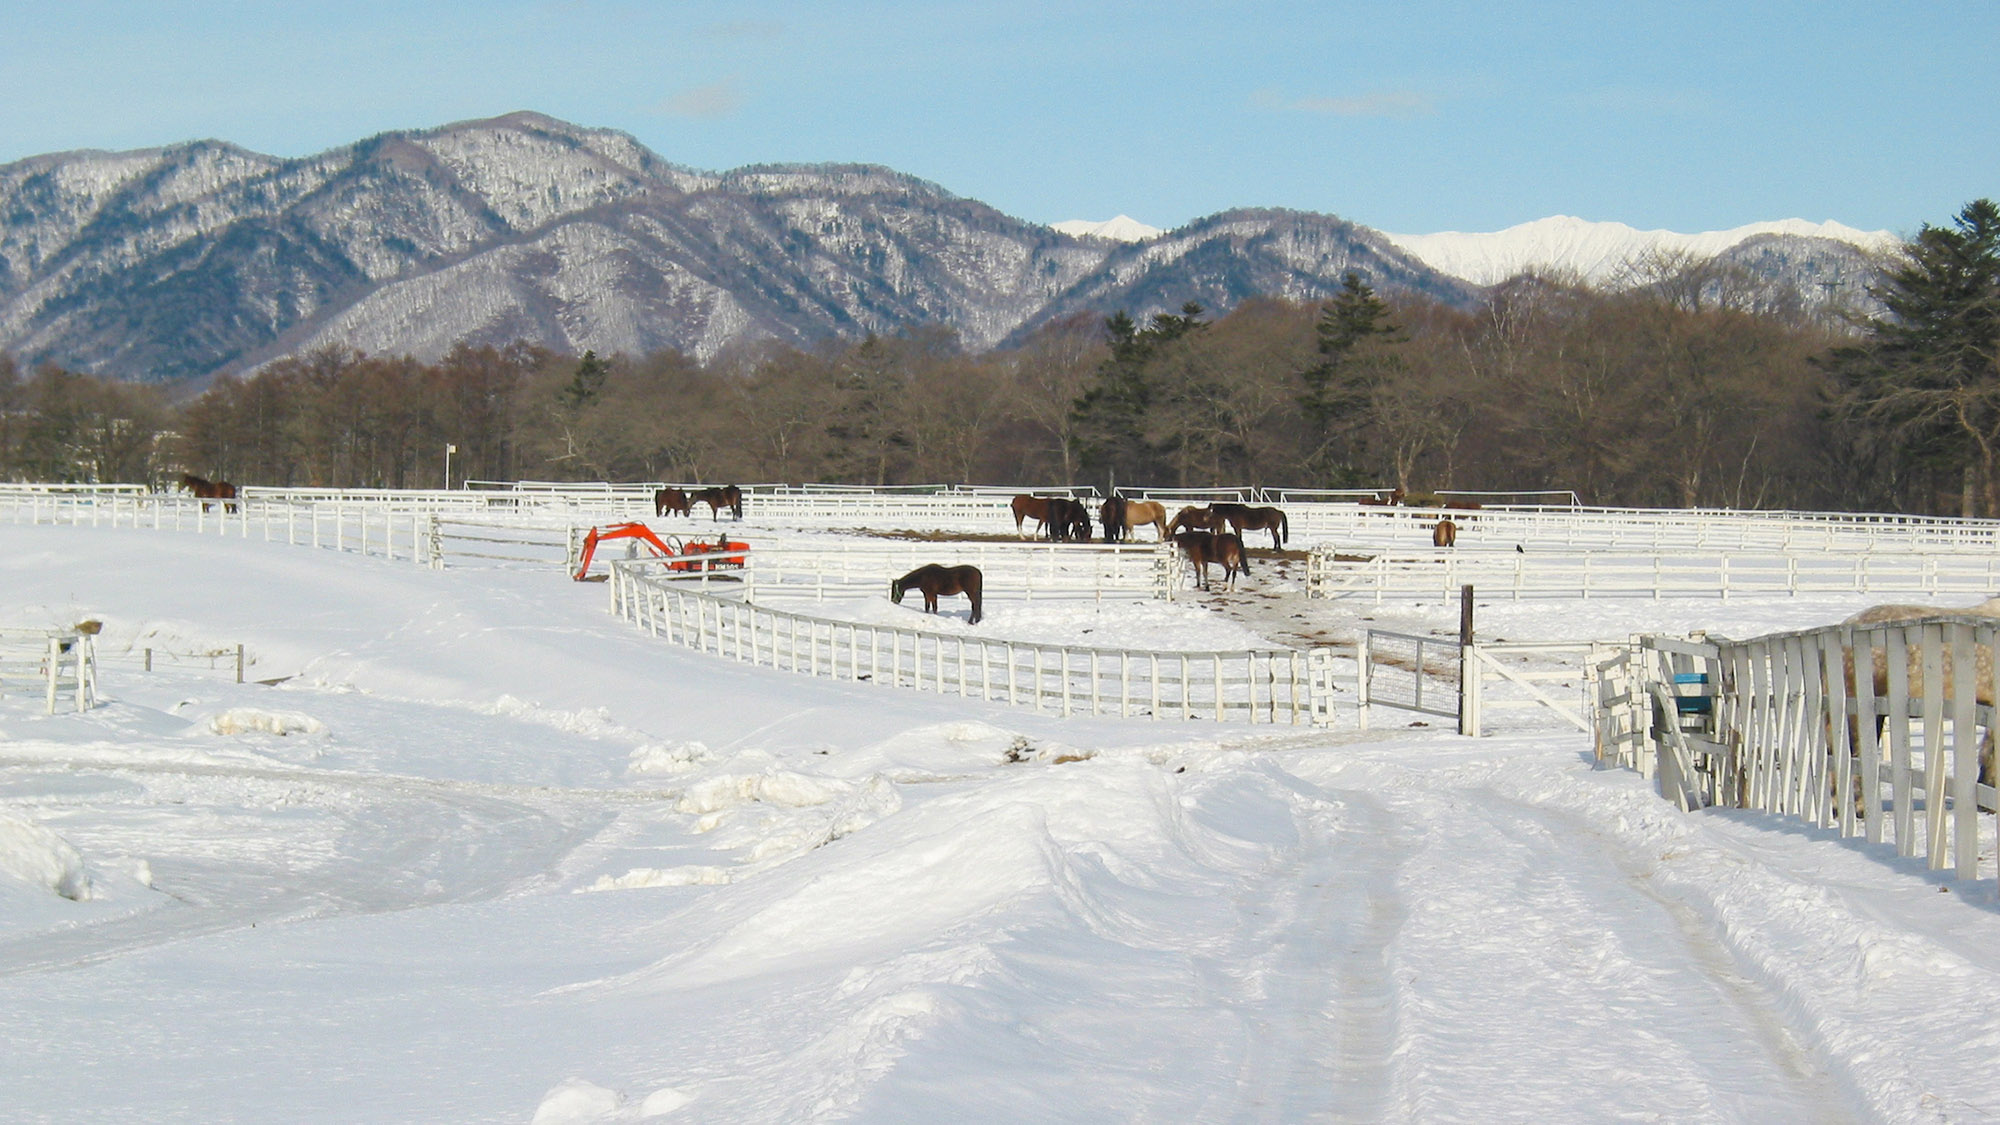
(896,590)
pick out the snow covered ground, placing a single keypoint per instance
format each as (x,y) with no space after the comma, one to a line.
(484,853)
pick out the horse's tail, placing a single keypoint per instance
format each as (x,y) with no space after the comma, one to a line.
(1284,527)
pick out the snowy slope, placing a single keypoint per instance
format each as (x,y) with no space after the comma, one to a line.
(487,854)
(1597,252)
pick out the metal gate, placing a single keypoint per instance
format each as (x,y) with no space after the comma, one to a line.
(1411,672)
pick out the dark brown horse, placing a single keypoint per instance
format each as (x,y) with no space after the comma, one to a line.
(1112,515)
(671,500)
(717,498)
(1068,520)
(1205,547)
(206,490)
(1054,516)
(1242,518)
(934,580)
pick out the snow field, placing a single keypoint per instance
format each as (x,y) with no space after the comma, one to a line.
(487,853)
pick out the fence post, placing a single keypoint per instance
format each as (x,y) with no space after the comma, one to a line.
(1468,670)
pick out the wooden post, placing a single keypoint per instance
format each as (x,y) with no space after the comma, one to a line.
(1468,718)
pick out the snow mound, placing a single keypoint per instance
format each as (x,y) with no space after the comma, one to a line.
(36,856)
(576,1102)
(693,875)
(256,720)
(673,758)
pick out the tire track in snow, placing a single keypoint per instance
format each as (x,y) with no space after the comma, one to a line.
(1324,960)
(1742,1014)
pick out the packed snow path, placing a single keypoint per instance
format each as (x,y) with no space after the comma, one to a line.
(489,854)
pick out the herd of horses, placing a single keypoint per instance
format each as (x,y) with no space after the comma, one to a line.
(681,503)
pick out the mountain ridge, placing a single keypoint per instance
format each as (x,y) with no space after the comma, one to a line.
(189,260)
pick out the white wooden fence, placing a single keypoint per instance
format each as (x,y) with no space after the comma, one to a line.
(1438,573)
(1776,723)
(1281,686)
(1024,571)
(51,663)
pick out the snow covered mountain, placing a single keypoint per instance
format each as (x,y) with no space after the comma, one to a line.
(183,262)
(1604,253)
(1124,228)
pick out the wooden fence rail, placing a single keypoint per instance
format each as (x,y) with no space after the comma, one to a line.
(1438,573)
(1892,752)
(1280,686)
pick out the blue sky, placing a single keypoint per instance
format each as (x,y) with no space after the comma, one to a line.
(1410,117)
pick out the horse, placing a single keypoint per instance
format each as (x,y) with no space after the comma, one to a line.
(934,580)
(717,498)
(1444,534)
(1244,518)
(1068,520)
(1028,507)
(1146,511)
(207,490)
(671,500)
(1204,547)
(1194,519)
(1878,659)
(1111,514)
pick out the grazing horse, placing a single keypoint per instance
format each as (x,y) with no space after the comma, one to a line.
(207,490)
(717,498)
(1242,518)
(933,580)
(1444,534)
(1068,520)
(1204,547)
(1194,519)
(671,500)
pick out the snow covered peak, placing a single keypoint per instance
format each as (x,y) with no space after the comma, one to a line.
(1595,251)
(1124,228)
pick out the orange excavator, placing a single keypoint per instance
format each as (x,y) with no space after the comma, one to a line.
(671,548)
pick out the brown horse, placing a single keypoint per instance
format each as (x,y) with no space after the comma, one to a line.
(1242,518)
(1204,547)
(1130,514)
(671,500)
(1193,519)
(1028,507)
(1444,534)
(207,490)
(1054,516)
(717,498)
(934,580)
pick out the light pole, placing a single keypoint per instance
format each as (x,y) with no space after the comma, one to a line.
(448,451)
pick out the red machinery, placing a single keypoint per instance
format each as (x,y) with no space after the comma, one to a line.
(671,548)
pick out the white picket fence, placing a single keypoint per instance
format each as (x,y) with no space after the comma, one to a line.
(1777,723)
(1275,686)
(1438,573)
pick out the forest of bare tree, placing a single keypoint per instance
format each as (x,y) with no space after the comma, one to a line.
(1683,390)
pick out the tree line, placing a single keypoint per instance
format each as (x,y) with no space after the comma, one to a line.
(1688,385)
